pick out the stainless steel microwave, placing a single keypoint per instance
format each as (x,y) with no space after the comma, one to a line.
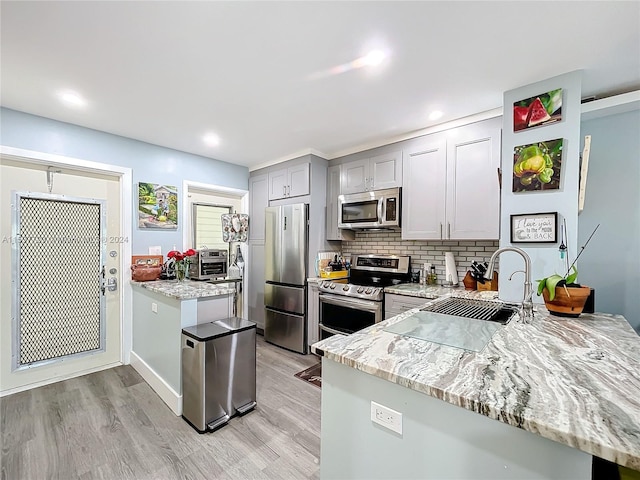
(369,210)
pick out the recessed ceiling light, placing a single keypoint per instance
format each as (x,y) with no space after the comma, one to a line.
(374,58)
(435,115)
(211,139)
(72,99)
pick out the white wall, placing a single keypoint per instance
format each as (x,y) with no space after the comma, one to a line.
(544,257)
(611,261)
(150,163)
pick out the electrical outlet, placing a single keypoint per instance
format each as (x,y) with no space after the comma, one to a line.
(386,417)
(154,307)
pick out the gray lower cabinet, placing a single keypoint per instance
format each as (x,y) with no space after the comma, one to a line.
(397,304)
(313,313)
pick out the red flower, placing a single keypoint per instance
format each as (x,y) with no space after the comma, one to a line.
(181,256)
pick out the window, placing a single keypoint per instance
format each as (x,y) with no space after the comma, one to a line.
(207,226)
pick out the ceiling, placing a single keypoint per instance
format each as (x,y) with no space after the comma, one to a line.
(266,77)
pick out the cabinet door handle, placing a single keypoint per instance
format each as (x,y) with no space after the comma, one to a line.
(448,230)
(366,183)
(440,230)
(284,190)
(289,190)
(371,182)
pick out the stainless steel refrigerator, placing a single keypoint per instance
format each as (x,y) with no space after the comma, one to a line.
(286,254)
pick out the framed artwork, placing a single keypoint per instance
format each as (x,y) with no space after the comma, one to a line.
(537,166)
(534,228)
(537,111)
(157,206)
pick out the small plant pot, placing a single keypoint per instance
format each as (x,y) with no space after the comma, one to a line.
(564,305)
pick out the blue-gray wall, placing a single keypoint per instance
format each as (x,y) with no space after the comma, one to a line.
(150,163)
(611,261)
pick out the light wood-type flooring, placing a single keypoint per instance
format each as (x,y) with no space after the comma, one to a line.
(112,425)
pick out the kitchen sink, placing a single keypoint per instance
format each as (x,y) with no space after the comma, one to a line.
(476,309)
(457,322)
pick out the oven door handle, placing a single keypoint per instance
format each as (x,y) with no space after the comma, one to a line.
(331,330)
(350,303)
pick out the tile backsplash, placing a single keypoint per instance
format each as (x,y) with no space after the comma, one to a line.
(422,251)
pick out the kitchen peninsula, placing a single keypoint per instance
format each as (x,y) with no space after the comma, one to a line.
(537,402)
(161,309)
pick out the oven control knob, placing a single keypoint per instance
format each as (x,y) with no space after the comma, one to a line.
(332,286)
(360,289)
(345,288)
(368,291)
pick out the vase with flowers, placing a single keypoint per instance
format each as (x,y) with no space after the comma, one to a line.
(181,261)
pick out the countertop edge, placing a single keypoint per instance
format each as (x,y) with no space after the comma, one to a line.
(623,454)
(217,290)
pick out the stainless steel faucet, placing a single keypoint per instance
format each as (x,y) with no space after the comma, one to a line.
(526,309)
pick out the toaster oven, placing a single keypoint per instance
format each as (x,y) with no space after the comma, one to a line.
(209,264)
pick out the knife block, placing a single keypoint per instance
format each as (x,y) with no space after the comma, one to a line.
(489,284)
(470,283)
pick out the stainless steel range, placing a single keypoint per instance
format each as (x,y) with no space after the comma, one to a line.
(347,308)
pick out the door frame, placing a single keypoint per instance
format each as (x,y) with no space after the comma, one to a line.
(125,178)
(187,236)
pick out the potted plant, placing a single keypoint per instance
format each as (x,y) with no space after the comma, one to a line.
(562,295)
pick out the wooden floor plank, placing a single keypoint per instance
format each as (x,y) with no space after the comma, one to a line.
(112,425)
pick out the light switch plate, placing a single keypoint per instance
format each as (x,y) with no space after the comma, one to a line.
(386,417)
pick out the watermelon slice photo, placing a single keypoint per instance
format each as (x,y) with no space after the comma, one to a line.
(520,117)
(537,111)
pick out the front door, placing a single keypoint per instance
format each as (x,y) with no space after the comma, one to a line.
(61,246)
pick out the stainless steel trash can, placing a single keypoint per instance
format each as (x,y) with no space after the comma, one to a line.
(218,372)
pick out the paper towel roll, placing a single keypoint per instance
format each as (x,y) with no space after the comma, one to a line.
(450,271)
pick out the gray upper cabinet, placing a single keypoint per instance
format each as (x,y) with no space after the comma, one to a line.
(423,191)
(289,182)
(333,190)
(375,173)
(450,187)
(258,201)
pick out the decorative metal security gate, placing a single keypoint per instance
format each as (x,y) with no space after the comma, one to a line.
(58,307)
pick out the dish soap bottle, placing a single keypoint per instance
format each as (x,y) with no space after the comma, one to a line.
(433,277)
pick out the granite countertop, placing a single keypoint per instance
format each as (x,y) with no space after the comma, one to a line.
(571,380)
(188,289)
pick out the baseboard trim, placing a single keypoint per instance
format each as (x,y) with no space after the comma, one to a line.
(57,379)
(157,383)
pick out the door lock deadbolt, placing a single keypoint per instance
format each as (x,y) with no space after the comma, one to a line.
(112,284)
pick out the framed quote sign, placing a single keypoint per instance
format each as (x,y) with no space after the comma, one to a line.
(534,228)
